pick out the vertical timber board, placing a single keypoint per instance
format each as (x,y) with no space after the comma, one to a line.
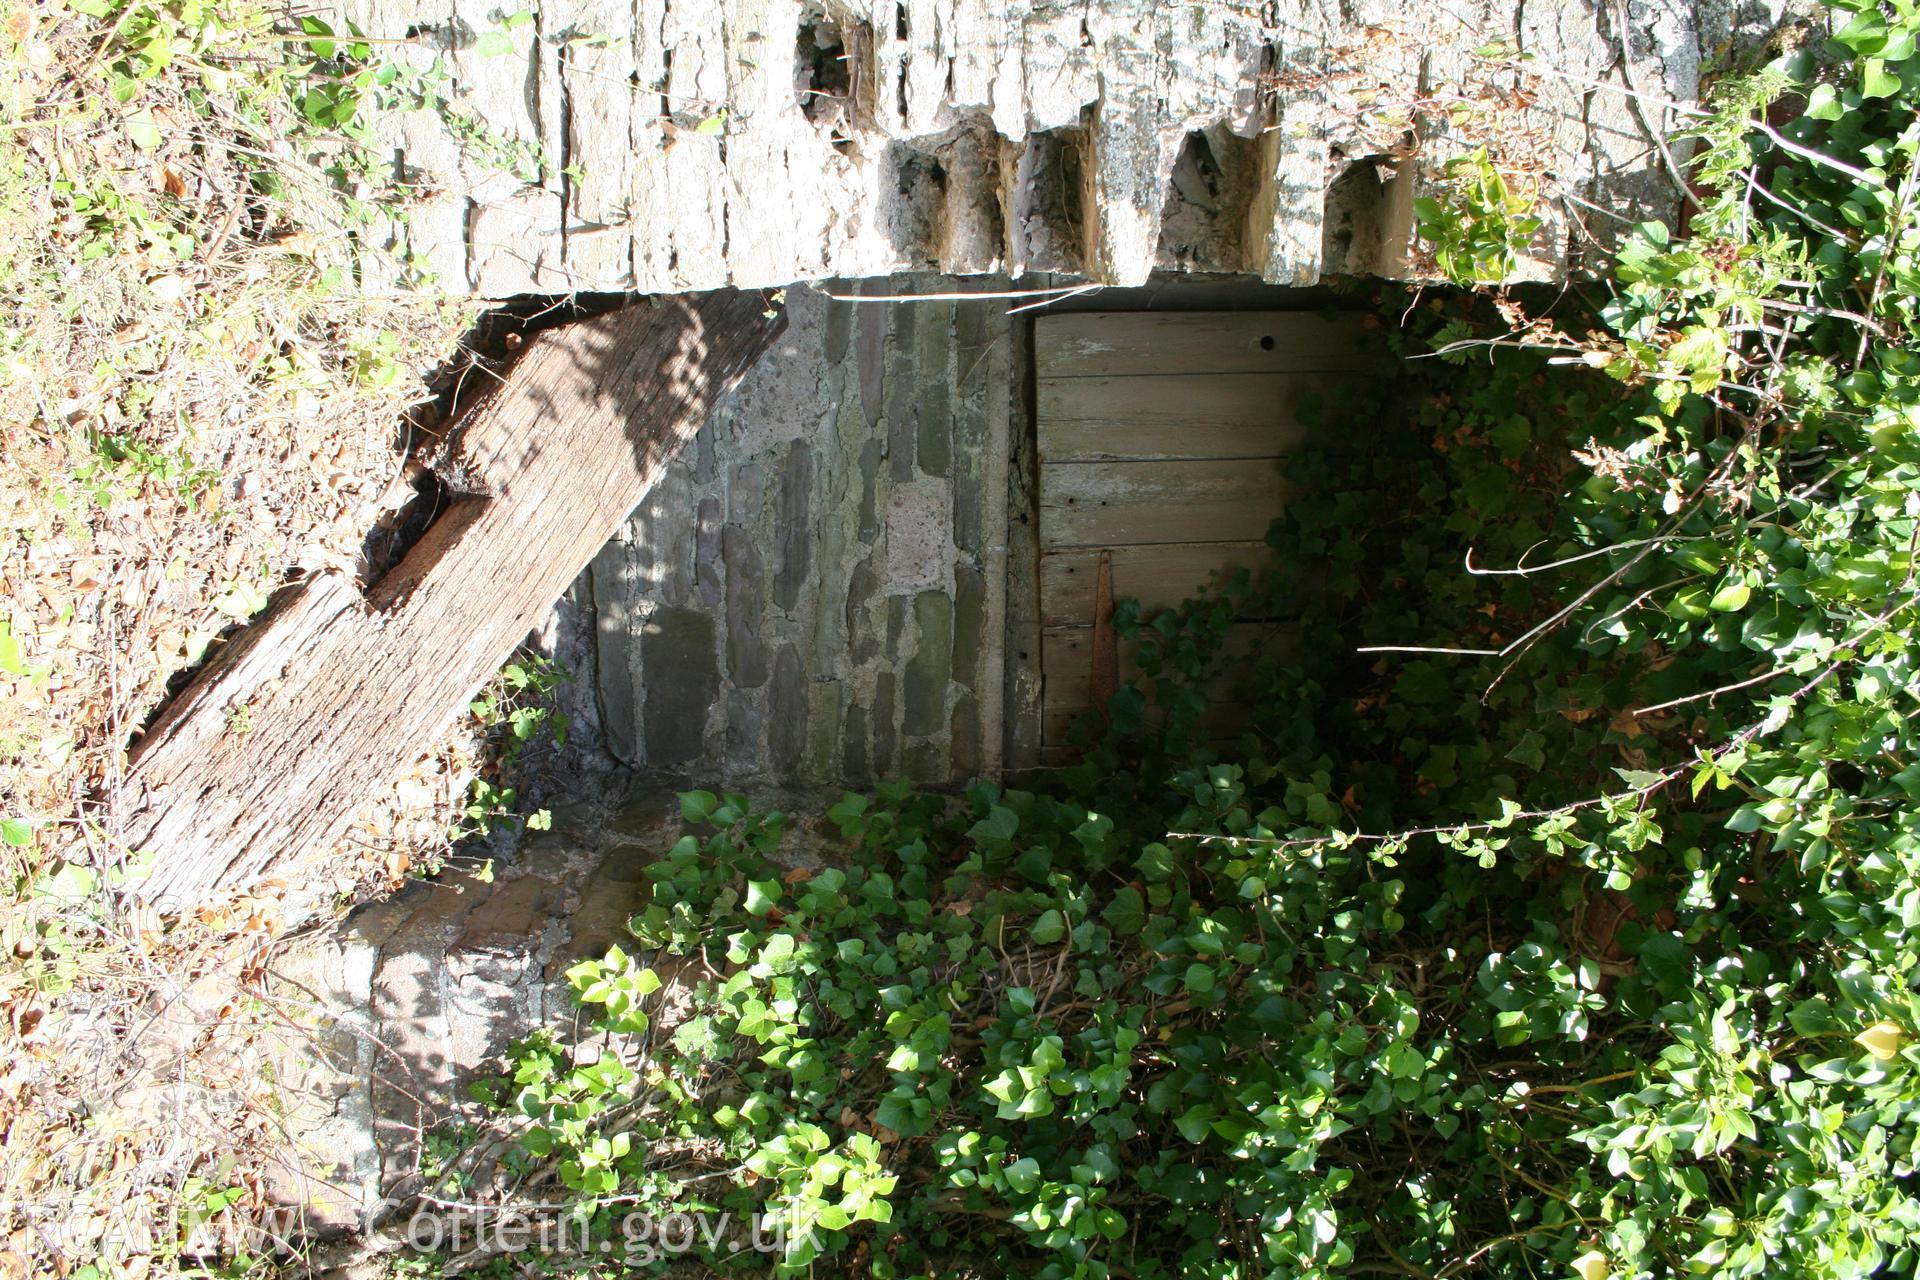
(996,485)
(1022,684)
(338,691)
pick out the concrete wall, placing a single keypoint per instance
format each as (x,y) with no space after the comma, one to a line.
(689,144)
(816,591)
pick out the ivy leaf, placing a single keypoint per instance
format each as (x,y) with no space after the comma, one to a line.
(1155,863)
(762,896)
(1883,1040)
(1824,103)
(1511,436)
(1195,1123)
(1876,81)
(1866,34)
(13,659)
(1688,605)
(1731,598)
(142,132)
(1126,915)
(894,1113)
(493,44)
(1663,957)
(1592,1265)
(851,806)
(1050,927)
(69,882)
(698,806)
(321,46)
(1199,979)
(1034,864)
(997,828)
(1812,1018)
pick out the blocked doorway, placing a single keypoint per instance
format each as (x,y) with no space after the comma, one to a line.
(881,557)
(1159,443)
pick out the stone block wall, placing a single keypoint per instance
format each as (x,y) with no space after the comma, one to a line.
(816,590)
(413,995)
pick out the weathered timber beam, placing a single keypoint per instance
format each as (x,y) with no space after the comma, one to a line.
(264,758)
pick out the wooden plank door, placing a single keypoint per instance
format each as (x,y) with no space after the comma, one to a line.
(1160,441)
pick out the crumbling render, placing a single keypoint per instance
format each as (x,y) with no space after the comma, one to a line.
(691,146)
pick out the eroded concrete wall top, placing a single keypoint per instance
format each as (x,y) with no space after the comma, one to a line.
(690,144)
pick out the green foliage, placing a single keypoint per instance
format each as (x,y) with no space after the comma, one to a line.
(513,709)
(301,87)
(1482,226)
(1572,928)
(122,465)
(512,705)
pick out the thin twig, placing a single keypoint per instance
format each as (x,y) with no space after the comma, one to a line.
(1710,694)
(1794,308)
(1524,570)
(1520,646)
(984,296)
(1426,648)
(1678,108)
(1755,187)
(1808,153)
(1047,302)
(1894,229)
